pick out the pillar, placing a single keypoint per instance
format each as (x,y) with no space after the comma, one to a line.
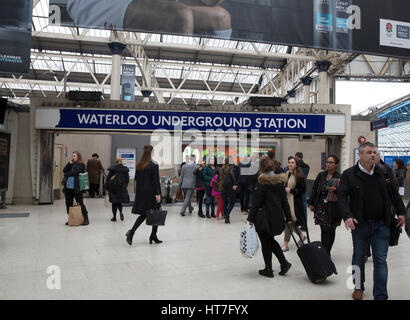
(306,88)
(323,67)
(292,95)
(116,49)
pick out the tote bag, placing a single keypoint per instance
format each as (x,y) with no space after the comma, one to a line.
(84,181)
(156,217)
(248,241)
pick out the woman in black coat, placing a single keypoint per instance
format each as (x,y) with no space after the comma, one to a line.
(324,203)
(400,171)
(147,192)
(117,184)
(71,184)
(270,209)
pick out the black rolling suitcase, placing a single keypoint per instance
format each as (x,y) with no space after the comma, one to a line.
(315,259)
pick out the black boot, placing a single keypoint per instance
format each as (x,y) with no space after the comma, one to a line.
(86,222)
(227,219)
(200,214)
(114,218)
(154,238)
(129,235)
(266,272)
(121,216)
(213,215)
(208,216)
(285,268)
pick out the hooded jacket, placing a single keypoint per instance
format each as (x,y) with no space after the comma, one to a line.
(119,196)
(271,197)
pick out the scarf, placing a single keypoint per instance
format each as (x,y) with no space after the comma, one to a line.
(291,184)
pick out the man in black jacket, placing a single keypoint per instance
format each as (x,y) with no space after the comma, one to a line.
(365,198)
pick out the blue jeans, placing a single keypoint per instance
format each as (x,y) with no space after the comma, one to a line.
(209,200)
(228,203)
(378,234)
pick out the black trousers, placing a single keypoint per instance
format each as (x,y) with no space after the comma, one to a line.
(269,246)
(244,194)
(93,190)
(70,195)
(139,221)
(200,194)
(114,207)
(328,235)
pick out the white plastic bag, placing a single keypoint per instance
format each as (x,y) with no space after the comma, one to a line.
(249,243)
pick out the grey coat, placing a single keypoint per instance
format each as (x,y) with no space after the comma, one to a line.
(188,178)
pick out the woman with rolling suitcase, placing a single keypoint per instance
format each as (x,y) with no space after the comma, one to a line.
(270,209)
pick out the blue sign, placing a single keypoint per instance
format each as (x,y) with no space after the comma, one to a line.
(169,120)
(390,160)
(379,124)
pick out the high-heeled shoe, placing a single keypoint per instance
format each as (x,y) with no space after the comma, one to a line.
(129,236)
(155,239)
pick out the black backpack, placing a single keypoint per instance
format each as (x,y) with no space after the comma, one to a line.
(115,183)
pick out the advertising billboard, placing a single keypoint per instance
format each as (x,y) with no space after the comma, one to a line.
(365,26)
(15,36)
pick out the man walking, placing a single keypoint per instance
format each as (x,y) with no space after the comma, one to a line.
(366,195)
(244,182)
(187,184)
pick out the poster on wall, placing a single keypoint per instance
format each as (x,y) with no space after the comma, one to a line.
(366,26)
(127,82)
(15,36)
(128,159)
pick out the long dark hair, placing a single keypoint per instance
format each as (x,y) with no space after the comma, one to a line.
(298,173)
(145,159)
(400,164)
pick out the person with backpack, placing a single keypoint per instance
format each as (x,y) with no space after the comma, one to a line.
(229,186)
(117,184)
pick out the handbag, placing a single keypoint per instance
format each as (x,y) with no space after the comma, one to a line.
(179,195)
(394,233)
(84,181)
(248,241)
(156,217)
(75,216)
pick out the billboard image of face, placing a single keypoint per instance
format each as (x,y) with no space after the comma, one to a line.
(342,25)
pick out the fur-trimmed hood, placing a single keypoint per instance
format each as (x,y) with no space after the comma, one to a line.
(272,179)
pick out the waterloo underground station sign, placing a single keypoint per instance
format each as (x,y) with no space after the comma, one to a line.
(149,121)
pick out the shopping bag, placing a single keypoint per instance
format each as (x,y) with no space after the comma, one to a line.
(249,243)
(84,181)
(75,216)
(179,195)
(156,217)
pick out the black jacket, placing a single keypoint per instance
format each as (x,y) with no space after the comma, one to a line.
(199,182)
(351,195)
(305,167)
(230,179)
(73,170)
(401,176)
(317,187)
(121,195)
(147,187)
(298,191)
(270,195)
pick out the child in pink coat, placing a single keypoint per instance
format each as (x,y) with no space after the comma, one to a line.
(215,193)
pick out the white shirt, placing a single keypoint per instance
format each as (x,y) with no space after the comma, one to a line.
(364,170)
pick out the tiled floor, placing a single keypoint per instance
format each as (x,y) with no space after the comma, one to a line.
(199,259)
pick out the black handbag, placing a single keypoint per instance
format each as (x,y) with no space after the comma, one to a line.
(394,233)
(156,217)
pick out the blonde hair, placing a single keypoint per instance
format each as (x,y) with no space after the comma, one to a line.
(118,160)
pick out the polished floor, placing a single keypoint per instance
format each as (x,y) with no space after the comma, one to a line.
(199,259)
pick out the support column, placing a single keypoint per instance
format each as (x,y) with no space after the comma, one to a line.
(323,67)
(306,88)
(46,167)
(292,95)
(116,49)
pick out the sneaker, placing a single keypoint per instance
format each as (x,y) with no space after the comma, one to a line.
(357,294)
(266,273)
(285,268)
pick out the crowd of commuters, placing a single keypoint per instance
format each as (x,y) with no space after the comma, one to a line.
(363,197)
